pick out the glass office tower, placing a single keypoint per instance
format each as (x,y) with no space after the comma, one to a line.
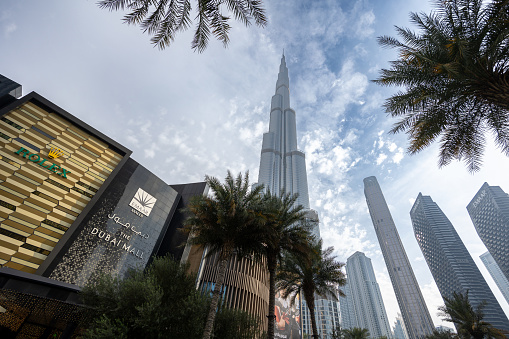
(489,211)
(496,274)
(413,308)
(451,265)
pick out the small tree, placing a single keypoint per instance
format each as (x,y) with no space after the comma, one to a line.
(316,272)
(159,302)
(469,320)
(441,334)
(356,333)
(338,332)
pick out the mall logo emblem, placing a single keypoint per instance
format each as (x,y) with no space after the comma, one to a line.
(143,202)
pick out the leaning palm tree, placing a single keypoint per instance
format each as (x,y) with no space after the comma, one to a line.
(283,230)
(356,333)
(163,19)
(456,74)
(224,222)
(467,318)
(316,272)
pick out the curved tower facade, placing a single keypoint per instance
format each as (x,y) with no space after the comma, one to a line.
(449,261)
(489,211)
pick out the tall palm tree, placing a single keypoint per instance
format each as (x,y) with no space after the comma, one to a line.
(356,333)
(163,19)
(283,230)
(456,74)
(316,272)
(468,319)
(224,222)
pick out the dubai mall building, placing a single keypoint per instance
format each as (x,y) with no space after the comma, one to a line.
(73,204)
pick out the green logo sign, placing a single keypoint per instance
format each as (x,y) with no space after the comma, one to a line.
(36,158)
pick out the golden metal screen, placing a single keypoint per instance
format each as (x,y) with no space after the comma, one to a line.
(49,170)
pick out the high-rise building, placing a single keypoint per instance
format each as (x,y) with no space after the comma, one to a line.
(368,306)
(489,211)
(451,265)
(496,274)
(346,307)
(399,328)
(413,308)
(283,169)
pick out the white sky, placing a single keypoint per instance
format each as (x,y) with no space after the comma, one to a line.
(186,114)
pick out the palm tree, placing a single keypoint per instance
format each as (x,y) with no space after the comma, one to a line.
(224,222)
(316,272)
(456,74)
(283,230)
(441,334)
(163,19)
(468,319)
(356,333)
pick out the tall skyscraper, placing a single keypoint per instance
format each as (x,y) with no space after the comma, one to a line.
(368,306)
(451,265)
(282,165)
(346,307)
(399,328)
(496,274)
(283,168)
(489,211)
(413,308)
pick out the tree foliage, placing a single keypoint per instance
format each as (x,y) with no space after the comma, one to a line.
(159,302)
(441,334)
(315,272)
(163,19)
(469,320)
(356,333)
(282,229)
(226,223)
(456,74)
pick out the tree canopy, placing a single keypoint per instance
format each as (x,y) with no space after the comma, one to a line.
(456,73)
(468,319)
(226,223)
(317,271)
(159,302)
(163,19)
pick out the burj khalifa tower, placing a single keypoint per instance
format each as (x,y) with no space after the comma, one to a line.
(283,169)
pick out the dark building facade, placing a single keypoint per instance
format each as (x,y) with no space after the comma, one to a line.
(73,205)
(489,211)
(449,261)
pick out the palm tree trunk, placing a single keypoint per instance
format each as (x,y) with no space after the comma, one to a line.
(209,325)
(310,300)
(271,265)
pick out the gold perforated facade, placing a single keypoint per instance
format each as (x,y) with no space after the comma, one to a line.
(245,287)
(41,194)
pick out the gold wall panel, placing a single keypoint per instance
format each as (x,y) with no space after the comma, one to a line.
(37,206)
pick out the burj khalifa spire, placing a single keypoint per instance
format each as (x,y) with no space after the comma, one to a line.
(282,165)
(283,169)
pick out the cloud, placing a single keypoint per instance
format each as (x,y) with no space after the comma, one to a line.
(9,29)
(396,158)
(381,158)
